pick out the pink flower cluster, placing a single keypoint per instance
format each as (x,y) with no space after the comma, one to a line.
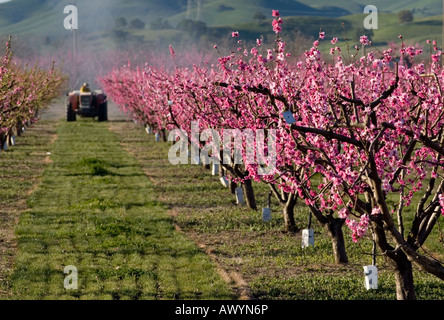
(277,22)
(358,228)
(24,91)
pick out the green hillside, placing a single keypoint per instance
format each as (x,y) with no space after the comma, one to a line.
(39,23)
(419,8)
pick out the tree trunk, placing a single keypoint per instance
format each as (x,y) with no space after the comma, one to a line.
(18,128)
(334,230)
(233,186)
(405,289)
(289,222)
(3,141)
(246,185)
(249,195)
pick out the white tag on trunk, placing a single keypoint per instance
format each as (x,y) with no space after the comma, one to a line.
(371,277)
(240,196)
(307,238)
(224,181)
(288,116)
(266,214)
(215,169)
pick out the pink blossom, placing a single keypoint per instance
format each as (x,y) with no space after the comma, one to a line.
(436,57)
(358,229)
(277,25)
(275,13)
(235,34)
(364,40)
(343,213)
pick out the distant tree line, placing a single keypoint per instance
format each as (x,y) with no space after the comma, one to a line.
(405,16)
(120,32)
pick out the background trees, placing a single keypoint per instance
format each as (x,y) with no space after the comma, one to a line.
(24,91)
(405,16)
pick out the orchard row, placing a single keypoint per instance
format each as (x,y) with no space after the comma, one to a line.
(358,140)
(24,92)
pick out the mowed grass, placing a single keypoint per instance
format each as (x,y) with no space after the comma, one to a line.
(272,262)
(97,211)
(21,167)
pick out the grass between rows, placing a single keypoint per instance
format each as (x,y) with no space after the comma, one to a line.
(21,167)
(96,210)
(273,263)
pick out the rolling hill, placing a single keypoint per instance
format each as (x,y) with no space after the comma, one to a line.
(39,23)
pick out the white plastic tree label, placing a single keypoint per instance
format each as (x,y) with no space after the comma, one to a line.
(266,214)
(215,169)
(371,277)
(224,181)
(239,195)
(307,238)
(288,116)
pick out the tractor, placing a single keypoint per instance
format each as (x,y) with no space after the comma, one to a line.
(86,105)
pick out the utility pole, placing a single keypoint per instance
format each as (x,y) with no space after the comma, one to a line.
(189,9)
(74,37)
(74,43)
(199,3)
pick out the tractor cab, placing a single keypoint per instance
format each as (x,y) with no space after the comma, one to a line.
(87,104)
(85,100)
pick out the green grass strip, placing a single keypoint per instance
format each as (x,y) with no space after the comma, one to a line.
(96,210)
(274,264)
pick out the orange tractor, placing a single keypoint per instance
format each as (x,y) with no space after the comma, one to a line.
(86,104)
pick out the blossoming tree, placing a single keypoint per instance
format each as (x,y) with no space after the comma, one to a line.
(24,92)
(359,141)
